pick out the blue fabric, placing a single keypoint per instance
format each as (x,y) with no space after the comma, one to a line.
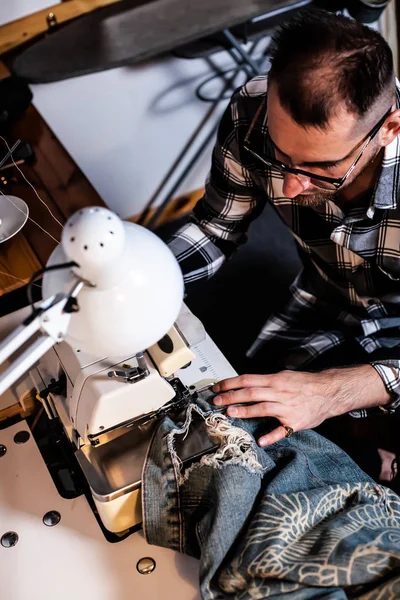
(297,520)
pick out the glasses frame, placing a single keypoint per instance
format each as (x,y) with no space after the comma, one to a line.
(336,182)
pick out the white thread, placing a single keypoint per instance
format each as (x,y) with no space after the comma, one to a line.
(30,218)
(19,278)
(29,183)
(236,445)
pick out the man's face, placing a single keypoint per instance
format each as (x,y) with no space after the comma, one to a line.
(328,152)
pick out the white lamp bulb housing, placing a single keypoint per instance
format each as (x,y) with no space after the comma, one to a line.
(138,284)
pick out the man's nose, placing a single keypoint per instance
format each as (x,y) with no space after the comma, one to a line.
(293,185)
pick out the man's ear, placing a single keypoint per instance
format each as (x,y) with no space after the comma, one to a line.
(391,128)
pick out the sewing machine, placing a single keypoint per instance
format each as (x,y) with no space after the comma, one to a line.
(106,407)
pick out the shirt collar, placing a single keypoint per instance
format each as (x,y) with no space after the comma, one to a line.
(387,190)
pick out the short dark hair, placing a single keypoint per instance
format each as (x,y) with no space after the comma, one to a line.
(320,60)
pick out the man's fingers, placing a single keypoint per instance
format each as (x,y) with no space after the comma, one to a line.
(274,436)
(243,381)
(243,396)
(261,409)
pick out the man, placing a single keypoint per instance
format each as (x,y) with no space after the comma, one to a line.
(317,138)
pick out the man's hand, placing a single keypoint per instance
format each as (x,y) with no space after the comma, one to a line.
(301,400)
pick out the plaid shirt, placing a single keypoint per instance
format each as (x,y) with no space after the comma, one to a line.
(350,284)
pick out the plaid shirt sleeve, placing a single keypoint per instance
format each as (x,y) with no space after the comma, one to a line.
(389,371)
(234,196)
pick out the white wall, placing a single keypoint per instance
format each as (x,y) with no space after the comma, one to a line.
(14,9)
(124,127)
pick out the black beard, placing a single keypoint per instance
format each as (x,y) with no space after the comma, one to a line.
(316,199)
(320,197)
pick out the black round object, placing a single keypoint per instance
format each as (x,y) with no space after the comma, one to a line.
(9,539)
(22,437)
(166,344)
(52,518)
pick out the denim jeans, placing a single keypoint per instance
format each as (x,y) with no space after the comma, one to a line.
(296,520)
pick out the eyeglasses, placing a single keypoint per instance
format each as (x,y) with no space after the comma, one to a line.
(327,183)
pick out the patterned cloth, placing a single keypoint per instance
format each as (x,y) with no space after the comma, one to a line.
(350,285)
(298,520)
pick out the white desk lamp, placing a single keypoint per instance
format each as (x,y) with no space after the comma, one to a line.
(129,288)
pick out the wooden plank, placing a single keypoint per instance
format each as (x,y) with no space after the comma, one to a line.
(62,188)
(177,208)
(18,262)
(41,242)
(17,256)
(25,407)
(56,178)
(27,28)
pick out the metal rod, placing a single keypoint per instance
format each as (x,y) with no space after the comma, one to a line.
(16,339)
(245,55)
(25,361)
(9,153)
(76,288)
(246,62)
(185,172)
(243,66)
(179,158)
(146,210)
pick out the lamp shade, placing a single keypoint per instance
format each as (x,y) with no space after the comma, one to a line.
(137,285)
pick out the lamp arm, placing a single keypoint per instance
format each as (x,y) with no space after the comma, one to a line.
(51,318)
(25,361)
